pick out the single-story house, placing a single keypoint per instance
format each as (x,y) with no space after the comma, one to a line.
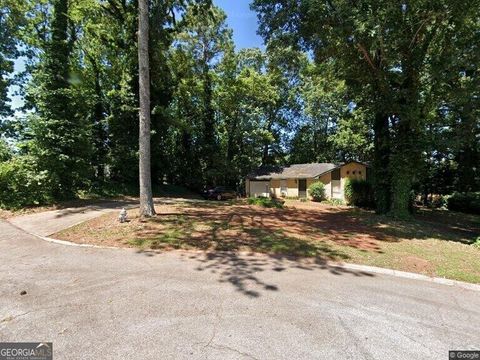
(293,181)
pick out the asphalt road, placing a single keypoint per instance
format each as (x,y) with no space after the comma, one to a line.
(122,304)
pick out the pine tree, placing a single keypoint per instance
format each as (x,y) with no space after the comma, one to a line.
(147,208)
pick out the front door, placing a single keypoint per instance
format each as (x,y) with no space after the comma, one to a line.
(336,184)
(302,188)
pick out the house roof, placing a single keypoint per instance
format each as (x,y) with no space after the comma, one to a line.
(295,171)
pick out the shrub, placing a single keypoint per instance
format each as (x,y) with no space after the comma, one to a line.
(476,243)
(317,191)
(21,184)
(266,202)
(359,192)
(465,202)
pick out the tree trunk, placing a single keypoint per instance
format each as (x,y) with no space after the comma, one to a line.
(230,177)
(146,199)
(403,166)
(467,155)
(209,139)
(406,150)
(57,106)
(99,132)
(382,163)
(266,158)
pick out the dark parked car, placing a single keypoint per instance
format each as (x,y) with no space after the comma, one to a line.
(220,193)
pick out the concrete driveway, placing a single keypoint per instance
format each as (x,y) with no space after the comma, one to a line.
(47,223)
(122,304)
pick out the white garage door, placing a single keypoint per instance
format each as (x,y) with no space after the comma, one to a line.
(260,188)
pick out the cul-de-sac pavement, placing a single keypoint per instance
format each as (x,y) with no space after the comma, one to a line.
(97,303)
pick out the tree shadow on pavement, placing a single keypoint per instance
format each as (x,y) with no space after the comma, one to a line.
(244,270)
(94,206)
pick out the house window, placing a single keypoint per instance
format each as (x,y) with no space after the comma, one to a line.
(353,172)
(348,172)
(359,172)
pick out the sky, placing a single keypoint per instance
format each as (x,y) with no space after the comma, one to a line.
(243,21)
(240,18)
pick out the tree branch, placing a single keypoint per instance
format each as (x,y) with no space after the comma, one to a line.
(417,32)
(366,56)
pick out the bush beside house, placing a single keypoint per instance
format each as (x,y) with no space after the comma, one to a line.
(465,202)
(359,192)
(266,202)
(317,191)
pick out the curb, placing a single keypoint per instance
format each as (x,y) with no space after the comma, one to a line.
(61,242)
(69,243)
(356,267)
(408,275)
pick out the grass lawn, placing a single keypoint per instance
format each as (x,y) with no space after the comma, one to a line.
(436,243)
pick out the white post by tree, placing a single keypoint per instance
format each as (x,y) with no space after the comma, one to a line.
(146,198)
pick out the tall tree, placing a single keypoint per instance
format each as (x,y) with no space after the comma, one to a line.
(324,105)
(59,133)
(12,20)
(383,50)
(256,102)
(204,39)
(147,208)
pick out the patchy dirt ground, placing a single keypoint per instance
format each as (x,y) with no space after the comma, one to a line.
(214,225)
(429,244)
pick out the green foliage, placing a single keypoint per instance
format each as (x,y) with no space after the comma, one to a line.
(202,41)
(402,75)
(59,132)
(12,20)
(333,202)
(352,136)
(323,96)
(385,84)
(317,191)
(5,151)
(358,192)
(465,202)
(476,243)
(22,184)
(265,202)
